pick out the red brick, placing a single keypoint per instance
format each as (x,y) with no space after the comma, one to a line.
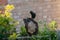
(3,2)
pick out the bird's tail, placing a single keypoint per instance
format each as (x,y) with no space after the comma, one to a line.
(33,15)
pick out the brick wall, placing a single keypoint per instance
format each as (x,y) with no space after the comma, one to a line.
(45,9)
(3,2)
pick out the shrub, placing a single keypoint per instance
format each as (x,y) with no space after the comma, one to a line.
(48,31)
(7,23)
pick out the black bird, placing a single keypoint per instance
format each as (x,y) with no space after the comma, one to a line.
(31,25)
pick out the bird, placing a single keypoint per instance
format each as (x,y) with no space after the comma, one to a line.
(31,25)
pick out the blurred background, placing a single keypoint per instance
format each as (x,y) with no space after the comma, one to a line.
(45,10)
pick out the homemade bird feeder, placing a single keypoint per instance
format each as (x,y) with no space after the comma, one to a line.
(31,25)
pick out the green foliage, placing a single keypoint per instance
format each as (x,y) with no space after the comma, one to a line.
(44,31)
(6,26)
(13,36)
(7,23)
(23,31)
